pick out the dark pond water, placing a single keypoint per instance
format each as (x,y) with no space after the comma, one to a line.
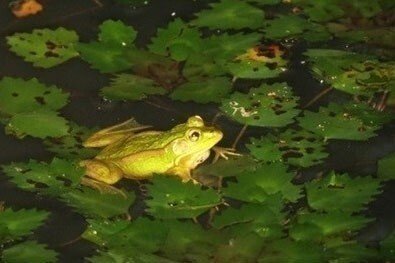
(87,108)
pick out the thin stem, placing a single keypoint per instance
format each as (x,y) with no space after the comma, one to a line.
(215,118)
(241,133)
(383,101)
(98,2)
(317,97)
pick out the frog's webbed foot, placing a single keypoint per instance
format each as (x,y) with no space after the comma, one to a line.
(102,187)
(223,152)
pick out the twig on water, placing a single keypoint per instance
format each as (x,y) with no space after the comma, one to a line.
(317,97)
(241,133)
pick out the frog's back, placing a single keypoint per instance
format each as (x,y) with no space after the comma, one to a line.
(138,143)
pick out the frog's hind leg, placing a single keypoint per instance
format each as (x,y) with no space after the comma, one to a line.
(102,176)
(114,133)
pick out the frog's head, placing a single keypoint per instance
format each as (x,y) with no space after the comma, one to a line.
(195,137)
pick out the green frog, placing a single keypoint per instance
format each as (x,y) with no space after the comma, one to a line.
(138,155)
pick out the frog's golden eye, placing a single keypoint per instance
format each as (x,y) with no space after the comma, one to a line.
(194,135)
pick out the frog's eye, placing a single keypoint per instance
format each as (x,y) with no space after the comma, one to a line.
(194,135)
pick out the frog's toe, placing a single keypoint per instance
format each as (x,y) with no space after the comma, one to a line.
(224,152)
(102,187)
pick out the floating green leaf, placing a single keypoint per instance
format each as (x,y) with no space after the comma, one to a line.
(92,203)
(225,47)
(295,147)
(29,251)
(171,198)
(386,167)
(18,95)
(284,249)
(321,11)
(269,105)
(178,41)
(45,47)
(387,247)
(54,178)
(285,26)
(263,219)
(108,54)
(245,247)
(259,62)
(329,224)
(116,33)
(341,193)
(16,224)
(40,123)
(349,121)
(203,90)
(131,87)
(268,179)
(230,14)
(350,72)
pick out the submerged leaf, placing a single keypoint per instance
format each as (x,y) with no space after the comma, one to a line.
(92,203)
(329,224)
(386,167)
(29,251)
(16,224)
(131,87)
(282,250)
(45,47)
(269,105)
(203,90)
(171,198)
(230,14)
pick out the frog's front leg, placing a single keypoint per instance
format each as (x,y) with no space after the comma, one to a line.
(102,175)
(223,152)
(183,172)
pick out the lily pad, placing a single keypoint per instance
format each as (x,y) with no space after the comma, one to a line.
(268,106)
